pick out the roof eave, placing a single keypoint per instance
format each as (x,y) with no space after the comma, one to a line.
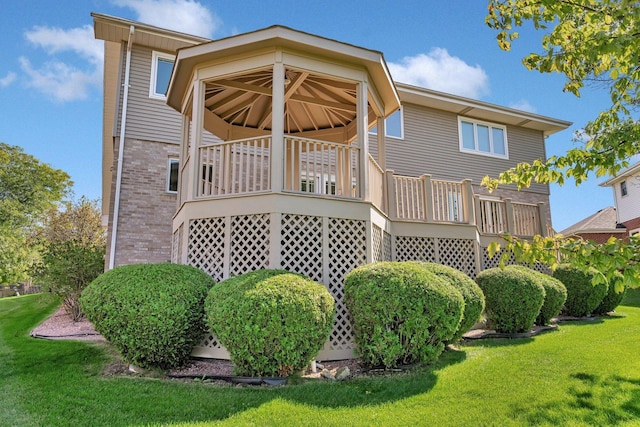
(114,29)
(630,171)
(479,109)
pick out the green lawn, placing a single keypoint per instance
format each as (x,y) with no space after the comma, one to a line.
(587,373)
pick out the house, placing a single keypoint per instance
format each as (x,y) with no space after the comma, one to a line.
(283,149)
(598,227)
(626,193)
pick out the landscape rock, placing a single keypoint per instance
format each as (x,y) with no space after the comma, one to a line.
(342,373)
(328,374)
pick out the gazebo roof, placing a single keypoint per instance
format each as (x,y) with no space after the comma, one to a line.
(313,100)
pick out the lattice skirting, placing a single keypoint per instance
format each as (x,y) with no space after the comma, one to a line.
(457,253)
(325,249)
(381,241)
(488,262)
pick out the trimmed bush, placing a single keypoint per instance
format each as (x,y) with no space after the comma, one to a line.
(582,295)
(471,293)
(401,312)
(272,322)
(554,298)
(513,299)
(614,296)
(152,313)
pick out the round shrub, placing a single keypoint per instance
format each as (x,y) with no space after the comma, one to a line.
(152,313)
(614,296)
(401,312)
(554,298)
(583,296)
(471,293)
(513,299)
(272,322)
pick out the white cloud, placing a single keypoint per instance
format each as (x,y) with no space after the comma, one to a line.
(79,40)
(187,16)
(440,71)
(63,81)
(523,105)
(8,79)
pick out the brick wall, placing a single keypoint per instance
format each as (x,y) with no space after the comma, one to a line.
(632,224)
(146,209)
(602,237)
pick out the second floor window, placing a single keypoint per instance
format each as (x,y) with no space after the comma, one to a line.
(161,66)
(623,188)
(483,138)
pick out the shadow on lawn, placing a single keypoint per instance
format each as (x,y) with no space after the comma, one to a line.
(373,389)
(591,400)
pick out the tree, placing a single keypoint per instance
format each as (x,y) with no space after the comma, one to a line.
(73,252)
(592,42)
(28,188)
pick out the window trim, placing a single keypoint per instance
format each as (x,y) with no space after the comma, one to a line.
(170,161)
(155,57)
(624,191)
(490,125)
(634,232)
(401,110)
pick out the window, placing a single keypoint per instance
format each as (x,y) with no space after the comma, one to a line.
(394,125)
(635,232)
(623,188)
(310,185)
(455,207)
(172,176)
(483,138)
(161,67)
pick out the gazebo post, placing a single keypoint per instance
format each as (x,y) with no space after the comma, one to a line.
(362,108)
(277,126)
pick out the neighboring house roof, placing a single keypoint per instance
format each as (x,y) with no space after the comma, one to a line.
(630,171)
(603,221)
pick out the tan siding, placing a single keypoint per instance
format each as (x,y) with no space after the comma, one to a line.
(147,118)
(431,145)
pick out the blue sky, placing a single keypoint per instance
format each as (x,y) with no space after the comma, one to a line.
(50,69)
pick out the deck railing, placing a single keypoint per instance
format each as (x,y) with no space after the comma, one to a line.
(505,216)
(526,219)
(492,216)
(449,201)
(234,167)
(321,167)
(333,169)
(409,198)
(376,184)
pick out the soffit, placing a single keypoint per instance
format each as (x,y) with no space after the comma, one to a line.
(115,29)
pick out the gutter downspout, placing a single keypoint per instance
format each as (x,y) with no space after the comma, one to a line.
(123,122)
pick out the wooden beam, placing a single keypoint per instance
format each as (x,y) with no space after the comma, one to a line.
(294,85)
(244,87)
(324,103)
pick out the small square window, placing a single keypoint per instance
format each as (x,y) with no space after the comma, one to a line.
(161,67)
(623,188)
(394,125)
(172,175)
